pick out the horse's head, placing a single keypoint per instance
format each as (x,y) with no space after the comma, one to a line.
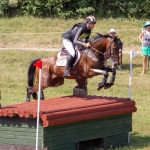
(106,46)
(113,51)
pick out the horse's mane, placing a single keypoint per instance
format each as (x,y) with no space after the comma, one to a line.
(98,35)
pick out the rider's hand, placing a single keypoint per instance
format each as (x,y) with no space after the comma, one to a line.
(87,44)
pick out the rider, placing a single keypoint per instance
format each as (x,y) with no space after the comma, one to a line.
(75,36)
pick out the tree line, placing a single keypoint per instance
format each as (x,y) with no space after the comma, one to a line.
(76,8)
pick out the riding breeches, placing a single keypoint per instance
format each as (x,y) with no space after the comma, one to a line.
(69,47)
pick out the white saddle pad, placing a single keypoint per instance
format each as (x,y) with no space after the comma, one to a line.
(62,60)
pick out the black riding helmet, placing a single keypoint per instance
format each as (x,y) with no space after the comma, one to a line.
(91,20)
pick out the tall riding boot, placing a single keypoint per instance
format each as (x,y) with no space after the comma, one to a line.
(68,65)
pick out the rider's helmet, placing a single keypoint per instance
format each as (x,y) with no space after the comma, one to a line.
(91,20)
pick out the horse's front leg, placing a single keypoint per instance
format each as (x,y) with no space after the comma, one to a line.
(112,79)
(94,72)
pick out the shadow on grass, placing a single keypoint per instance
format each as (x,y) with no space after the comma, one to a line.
(126,67)
(139,142)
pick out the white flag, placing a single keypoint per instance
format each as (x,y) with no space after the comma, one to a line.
(133,54)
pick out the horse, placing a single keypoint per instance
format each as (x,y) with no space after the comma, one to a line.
(92,62)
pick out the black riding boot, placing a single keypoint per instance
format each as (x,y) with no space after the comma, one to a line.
(68,65)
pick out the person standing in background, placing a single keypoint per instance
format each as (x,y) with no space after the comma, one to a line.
(112,33)
(145,40)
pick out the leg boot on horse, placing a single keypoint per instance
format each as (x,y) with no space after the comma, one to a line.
(68,66)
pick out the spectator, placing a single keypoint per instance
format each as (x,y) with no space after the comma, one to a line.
(145,40)
(112,33)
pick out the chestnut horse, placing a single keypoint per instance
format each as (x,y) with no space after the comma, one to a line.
(92,62)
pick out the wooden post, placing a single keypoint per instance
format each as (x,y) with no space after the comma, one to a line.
(79,92)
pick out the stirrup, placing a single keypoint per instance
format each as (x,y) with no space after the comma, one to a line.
(66,73)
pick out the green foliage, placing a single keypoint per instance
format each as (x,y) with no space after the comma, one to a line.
(76,8)
(3,7)
(13,3)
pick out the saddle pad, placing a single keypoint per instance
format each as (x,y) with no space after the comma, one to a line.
(62,59)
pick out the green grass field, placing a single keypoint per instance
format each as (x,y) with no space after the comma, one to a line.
(13,84)
(14,66)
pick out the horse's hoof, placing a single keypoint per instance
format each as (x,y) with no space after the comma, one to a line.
(99,88)
(107,86)
(27,99)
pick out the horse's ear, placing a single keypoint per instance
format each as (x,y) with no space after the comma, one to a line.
(119,37)
(116,38)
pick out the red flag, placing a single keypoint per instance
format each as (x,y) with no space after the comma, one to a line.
(38,64)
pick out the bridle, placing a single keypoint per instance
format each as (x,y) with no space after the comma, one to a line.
(112,51)
(109,53)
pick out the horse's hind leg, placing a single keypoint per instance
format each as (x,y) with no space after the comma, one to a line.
(32,91)
(28,94)
(42,95)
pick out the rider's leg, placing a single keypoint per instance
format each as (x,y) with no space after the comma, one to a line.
(68,66)
(69,46)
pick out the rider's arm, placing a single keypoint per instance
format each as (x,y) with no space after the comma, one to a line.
(76,41)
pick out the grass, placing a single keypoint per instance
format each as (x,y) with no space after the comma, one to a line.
(14,65)
(30,32)
(13,84)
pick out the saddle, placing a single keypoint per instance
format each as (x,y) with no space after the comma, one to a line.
(62,57)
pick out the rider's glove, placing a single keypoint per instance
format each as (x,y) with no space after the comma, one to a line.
(86,44)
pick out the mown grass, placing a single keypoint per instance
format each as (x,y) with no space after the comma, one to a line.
(13,84)
(14,65)
(30,32)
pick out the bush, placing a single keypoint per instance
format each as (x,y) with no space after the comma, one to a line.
(68,8)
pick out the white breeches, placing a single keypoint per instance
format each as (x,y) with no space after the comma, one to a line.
(69,47)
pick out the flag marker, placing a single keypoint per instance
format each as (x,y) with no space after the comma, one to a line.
(132,55)
(38,65)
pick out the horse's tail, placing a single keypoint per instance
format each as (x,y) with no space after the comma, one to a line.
(31,75)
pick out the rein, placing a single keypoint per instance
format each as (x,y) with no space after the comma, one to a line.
(105,53)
